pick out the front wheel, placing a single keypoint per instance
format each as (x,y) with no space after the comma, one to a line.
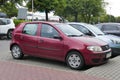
(16,52)
(74,60)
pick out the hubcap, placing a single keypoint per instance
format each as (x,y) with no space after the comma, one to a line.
(74,60)
(16,51)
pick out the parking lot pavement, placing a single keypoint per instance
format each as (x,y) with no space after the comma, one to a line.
(31,68)
(15,71)
(110,70)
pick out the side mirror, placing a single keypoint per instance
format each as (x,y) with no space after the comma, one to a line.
(57,37)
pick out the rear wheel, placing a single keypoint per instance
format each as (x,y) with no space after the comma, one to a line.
(74,60)
(9,34)
(16,52)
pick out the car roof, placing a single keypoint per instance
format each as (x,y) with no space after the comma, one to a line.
(77,23)
(80,23)
(108,23)
(44,22)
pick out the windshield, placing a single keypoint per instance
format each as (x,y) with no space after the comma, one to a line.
(95,29)
(68,30)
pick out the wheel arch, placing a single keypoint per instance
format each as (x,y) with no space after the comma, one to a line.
(74,50)
(10,29)
(13,45)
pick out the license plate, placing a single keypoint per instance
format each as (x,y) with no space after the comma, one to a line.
(108,55)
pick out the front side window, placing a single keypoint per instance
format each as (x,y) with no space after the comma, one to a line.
(30,29)
(80,28)
(48,31)
(96,30)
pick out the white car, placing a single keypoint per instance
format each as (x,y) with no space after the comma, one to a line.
(6,27)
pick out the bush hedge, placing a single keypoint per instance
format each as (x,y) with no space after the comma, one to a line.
(18,21)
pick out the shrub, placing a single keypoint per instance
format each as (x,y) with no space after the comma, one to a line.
(18,21)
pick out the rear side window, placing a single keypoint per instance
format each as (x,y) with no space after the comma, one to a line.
(4,21)
(30,29)
(110,28)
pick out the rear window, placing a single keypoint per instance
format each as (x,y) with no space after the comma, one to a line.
(110,27)
(4,21)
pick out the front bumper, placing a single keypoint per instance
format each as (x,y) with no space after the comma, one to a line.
(98,58)
(115,51)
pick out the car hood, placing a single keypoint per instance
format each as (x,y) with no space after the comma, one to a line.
(110,39)
(89,40)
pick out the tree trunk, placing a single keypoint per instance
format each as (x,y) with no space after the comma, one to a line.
(46,14)
(76,17)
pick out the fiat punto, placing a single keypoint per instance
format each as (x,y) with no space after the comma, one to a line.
(58,41)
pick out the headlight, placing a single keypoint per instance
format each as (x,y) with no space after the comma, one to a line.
(94,48)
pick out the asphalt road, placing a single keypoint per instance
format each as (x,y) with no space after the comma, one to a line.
(110,70)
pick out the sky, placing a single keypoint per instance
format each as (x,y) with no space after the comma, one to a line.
(113,8)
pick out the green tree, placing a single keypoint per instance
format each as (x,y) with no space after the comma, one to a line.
(74,8)
(44,5)
(91,8)
(60,9)
(118,19)
(12,1)
(84,9)
(9,8)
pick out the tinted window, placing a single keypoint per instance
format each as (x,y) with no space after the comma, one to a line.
(109,27)
(30,29)
(48,31)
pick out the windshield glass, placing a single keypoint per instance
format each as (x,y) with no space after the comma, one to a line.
(68,30)
(95,29)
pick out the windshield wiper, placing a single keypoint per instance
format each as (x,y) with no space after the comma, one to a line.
(75,35)
(99,34)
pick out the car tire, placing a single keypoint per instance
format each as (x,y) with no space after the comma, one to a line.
(9,34)
(75,60)
(16,52)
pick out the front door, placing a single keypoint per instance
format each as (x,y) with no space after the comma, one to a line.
(48,45)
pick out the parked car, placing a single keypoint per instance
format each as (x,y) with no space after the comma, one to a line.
(90,30)
(6,27)
(60,42)
(110,28)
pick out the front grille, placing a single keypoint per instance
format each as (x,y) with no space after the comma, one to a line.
(96,60)
(106,47)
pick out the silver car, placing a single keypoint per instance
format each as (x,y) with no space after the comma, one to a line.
(91,30)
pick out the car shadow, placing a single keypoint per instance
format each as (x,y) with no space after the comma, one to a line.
(4,38)
(51,63)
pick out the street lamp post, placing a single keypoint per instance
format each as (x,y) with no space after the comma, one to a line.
(110,15)
(32,9)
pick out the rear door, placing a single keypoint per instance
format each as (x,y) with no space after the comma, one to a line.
(28,39)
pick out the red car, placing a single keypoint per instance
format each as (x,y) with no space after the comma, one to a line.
(58,41)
